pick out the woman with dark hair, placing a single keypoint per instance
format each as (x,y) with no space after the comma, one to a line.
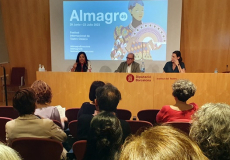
(180,111)
(89,107)
(81,64)
(105,138)
(175,65)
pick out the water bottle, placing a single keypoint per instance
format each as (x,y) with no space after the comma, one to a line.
(216,71)
(40,67)
(142,67)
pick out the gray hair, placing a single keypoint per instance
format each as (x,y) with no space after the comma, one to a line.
(211,130)
(183,89)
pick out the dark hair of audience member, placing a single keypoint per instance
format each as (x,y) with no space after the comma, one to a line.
(108,97)
(43,92)
(210,129)
(105,138)
(161,143)
(24,101)
(92,90)
(183,89)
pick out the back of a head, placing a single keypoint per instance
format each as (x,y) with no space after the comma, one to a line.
(43,92)
(108,97)
(183,89)
(161,143)
(92,90)
(24,101)
(7,153)
(210,129)
(105,137)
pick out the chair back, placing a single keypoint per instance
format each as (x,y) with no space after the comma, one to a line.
(124,114)
(138,126)
(148,115)
(71,114)
(17,76)
(73,128)
(3,121)
(79,148)
(58,123)
(8,111)
(38,148)
(183,126)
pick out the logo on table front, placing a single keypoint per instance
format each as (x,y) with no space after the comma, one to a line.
(130,78)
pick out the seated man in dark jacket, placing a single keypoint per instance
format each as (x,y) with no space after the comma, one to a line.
(107,99)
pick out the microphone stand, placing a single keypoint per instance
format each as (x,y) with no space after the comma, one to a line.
(4,72)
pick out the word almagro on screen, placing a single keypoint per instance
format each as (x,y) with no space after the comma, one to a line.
(100,17)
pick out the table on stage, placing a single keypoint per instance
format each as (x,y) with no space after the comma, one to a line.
(138,90)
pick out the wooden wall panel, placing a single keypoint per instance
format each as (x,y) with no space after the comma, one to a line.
(205,35)
(27,31)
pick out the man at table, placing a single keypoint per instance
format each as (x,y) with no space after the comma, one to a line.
(129,66)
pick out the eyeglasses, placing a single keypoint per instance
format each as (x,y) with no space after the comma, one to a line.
(129,58)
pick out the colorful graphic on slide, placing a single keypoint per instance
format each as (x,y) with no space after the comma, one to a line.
(108,30)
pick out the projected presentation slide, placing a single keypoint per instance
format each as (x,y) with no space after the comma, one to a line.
(109,30)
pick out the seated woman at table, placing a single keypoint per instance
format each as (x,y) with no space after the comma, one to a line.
(81,64)
(43,99)
(180,111)
(175,65)
(89,107)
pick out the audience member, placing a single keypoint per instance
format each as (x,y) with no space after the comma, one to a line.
(44,96)
(29,125)
(180,111)
(161,143)
(7,153)
(210,129)
(89,107)
(105,138)
(107,99)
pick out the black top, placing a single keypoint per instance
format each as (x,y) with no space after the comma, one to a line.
(86,108)
(83,127)
(168,67)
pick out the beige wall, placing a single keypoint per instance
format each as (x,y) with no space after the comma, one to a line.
(205,35)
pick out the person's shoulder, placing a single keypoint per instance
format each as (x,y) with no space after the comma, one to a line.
(195,106)
(10,123)
(169,62)
(166,107)
(85,104)
(135,63)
